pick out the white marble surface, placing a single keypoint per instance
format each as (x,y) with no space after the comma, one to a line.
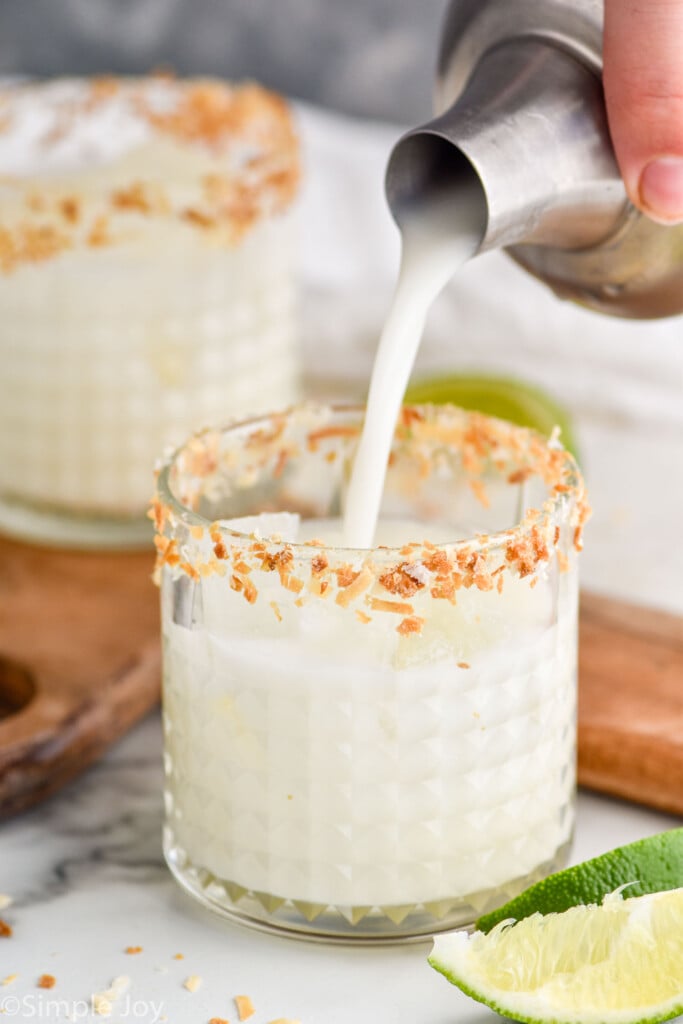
(85,870)
(87,879)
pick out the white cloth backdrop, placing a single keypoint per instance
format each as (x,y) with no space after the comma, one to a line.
(621,380)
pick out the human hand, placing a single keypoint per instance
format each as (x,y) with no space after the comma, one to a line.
(643,58)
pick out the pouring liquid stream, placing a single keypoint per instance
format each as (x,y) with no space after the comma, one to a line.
(438,237)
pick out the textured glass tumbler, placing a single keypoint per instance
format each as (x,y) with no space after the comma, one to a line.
(368,744)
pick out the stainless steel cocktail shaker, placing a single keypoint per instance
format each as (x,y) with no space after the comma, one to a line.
(520,106)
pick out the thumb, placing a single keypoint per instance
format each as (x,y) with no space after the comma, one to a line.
(643,57)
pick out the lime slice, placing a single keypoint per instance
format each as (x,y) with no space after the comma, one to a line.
(505,398)
(648,865)
(618,963)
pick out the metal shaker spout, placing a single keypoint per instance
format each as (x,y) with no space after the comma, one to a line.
(531,126)
(521,111)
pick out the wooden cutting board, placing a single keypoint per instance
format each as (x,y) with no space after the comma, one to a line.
(80,663)
(631,702)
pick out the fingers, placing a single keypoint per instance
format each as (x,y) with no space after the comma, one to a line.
(643,57)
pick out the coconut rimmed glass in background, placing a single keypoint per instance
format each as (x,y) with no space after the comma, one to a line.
(147,287)
(368,744)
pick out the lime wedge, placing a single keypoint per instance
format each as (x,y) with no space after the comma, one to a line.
(617,963)
(646,866)
(503,397)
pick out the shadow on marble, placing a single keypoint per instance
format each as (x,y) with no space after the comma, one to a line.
(107,822)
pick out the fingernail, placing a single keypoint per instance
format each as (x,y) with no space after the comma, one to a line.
(661,189)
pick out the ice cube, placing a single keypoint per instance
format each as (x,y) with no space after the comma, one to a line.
(280,526)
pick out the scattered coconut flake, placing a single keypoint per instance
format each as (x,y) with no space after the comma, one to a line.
(101,1005)
(9,979)
(103,1002)
(245,1007)
(5,901)
(193,982)
(47,981)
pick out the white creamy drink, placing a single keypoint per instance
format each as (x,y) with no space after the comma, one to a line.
(146,284)
(340,765)
(374,742)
